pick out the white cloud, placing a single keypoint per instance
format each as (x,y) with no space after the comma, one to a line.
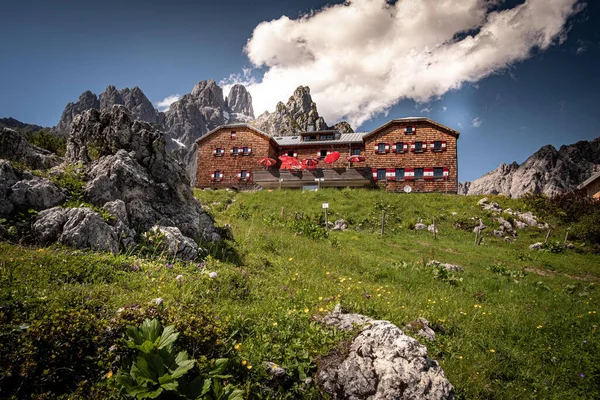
(165,103)
(363,56)
(426,110)
(476,122)
(444,108)
(582,46)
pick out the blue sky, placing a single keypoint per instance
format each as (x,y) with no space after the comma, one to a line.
(505,112)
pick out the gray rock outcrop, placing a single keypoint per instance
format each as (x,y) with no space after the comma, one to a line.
(37,193)
(383,363)
(14,147)
(175,244)
(549,171)
(239,102)
(448,267)
(134,167)
(421,327)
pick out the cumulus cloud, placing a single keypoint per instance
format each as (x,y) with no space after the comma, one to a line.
(165,103)
(476,122)
(444,108)
(362,57)
(426,110)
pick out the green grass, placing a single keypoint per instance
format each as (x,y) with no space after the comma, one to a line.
(520,323)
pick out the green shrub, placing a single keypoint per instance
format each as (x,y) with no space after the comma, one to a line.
(158,371)
(588,228)
(48,141)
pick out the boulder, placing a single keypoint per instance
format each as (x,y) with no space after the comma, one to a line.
(37,193)
(82,228)
(340,225)
(449,267)
(480,227)
(132,166)
(483,201)
(382,363)
(528,218)
(432,228)
(8,178)
(536,246)
(175,244)
(493,207)
(498,233)
(14,147)
(520,224)
(421,327)
(344,321)
(420,226)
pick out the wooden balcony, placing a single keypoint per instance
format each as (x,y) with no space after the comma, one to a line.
(327,177)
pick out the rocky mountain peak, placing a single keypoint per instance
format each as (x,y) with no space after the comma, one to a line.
(547,171)
(240,101)
(299,114)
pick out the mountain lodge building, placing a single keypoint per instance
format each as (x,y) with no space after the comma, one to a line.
(407,152)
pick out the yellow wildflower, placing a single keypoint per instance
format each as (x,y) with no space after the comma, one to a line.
(244,362)
(274,323)
(249,367)
(237,346)
(492,351)
(109,374)
(306,310)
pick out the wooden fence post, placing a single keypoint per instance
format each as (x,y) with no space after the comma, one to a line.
(382,222)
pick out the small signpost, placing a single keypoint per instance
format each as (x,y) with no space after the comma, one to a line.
(325,207)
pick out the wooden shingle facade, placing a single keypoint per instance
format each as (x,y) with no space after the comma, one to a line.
(409,152)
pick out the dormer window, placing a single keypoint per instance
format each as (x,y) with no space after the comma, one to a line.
(409,130)
(233,134)
(310,138)
(327,137)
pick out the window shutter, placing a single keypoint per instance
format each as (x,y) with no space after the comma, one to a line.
(212,176)
(376,149)
(328,152)
(404,147)
(431,146)
(239,175)
(295,154)
(409,174)
(428,174)
(445,173)
(214,152)
(412,146)
(414,129)
(387,147)
(374,171)
(390,174)
(220,176)
(249,150)
(424,147)
(247,175)
(443,145)
(394,148)
(231,151)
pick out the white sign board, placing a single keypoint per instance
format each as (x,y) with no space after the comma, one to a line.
(325,205)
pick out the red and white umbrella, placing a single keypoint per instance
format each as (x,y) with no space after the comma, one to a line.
(332,157)
(310,163)
(354,159)
(288,162)
(267,162)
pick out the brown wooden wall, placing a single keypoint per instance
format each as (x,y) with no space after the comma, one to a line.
(593,189)
(230,165)
(425,132)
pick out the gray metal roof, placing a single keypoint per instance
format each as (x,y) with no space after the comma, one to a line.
(590,180)
(356,137)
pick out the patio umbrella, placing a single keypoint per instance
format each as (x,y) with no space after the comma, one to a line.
(267,162)
(332,157)
(288,162)
(310,163)
(354,159)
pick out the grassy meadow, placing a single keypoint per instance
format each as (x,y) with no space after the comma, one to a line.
(517,323)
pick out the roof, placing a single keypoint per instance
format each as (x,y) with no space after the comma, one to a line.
(414,119)
(356,137)
(590,180)
(234,126)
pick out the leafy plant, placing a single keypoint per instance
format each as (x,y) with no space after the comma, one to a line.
(500,269)
(44,139)
(442,274)
(553,246)
(159,372)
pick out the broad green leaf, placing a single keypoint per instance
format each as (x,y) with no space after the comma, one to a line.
(156,364)
(220,366)
(150,329)
(124,379)
(168,337)
(166,378)
(170,386)
(206,387)
(141,366)
(183,368)
(194,388)
(150,395)
(146,347)
(233,394)
(181,356)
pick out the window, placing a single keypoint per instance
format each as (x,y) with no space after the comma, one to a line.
(322,153)
(438,173)
(400,147)
(247,151)
(399,174)
(244,175)
(219,152)
(418,173)
(235,151)
(381,174)
(418,147)
(437,145)
(356,152)
(381,148)
(409,130)
(327,137)
(217,176)
(290,153)
(310,138)
(233,135)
